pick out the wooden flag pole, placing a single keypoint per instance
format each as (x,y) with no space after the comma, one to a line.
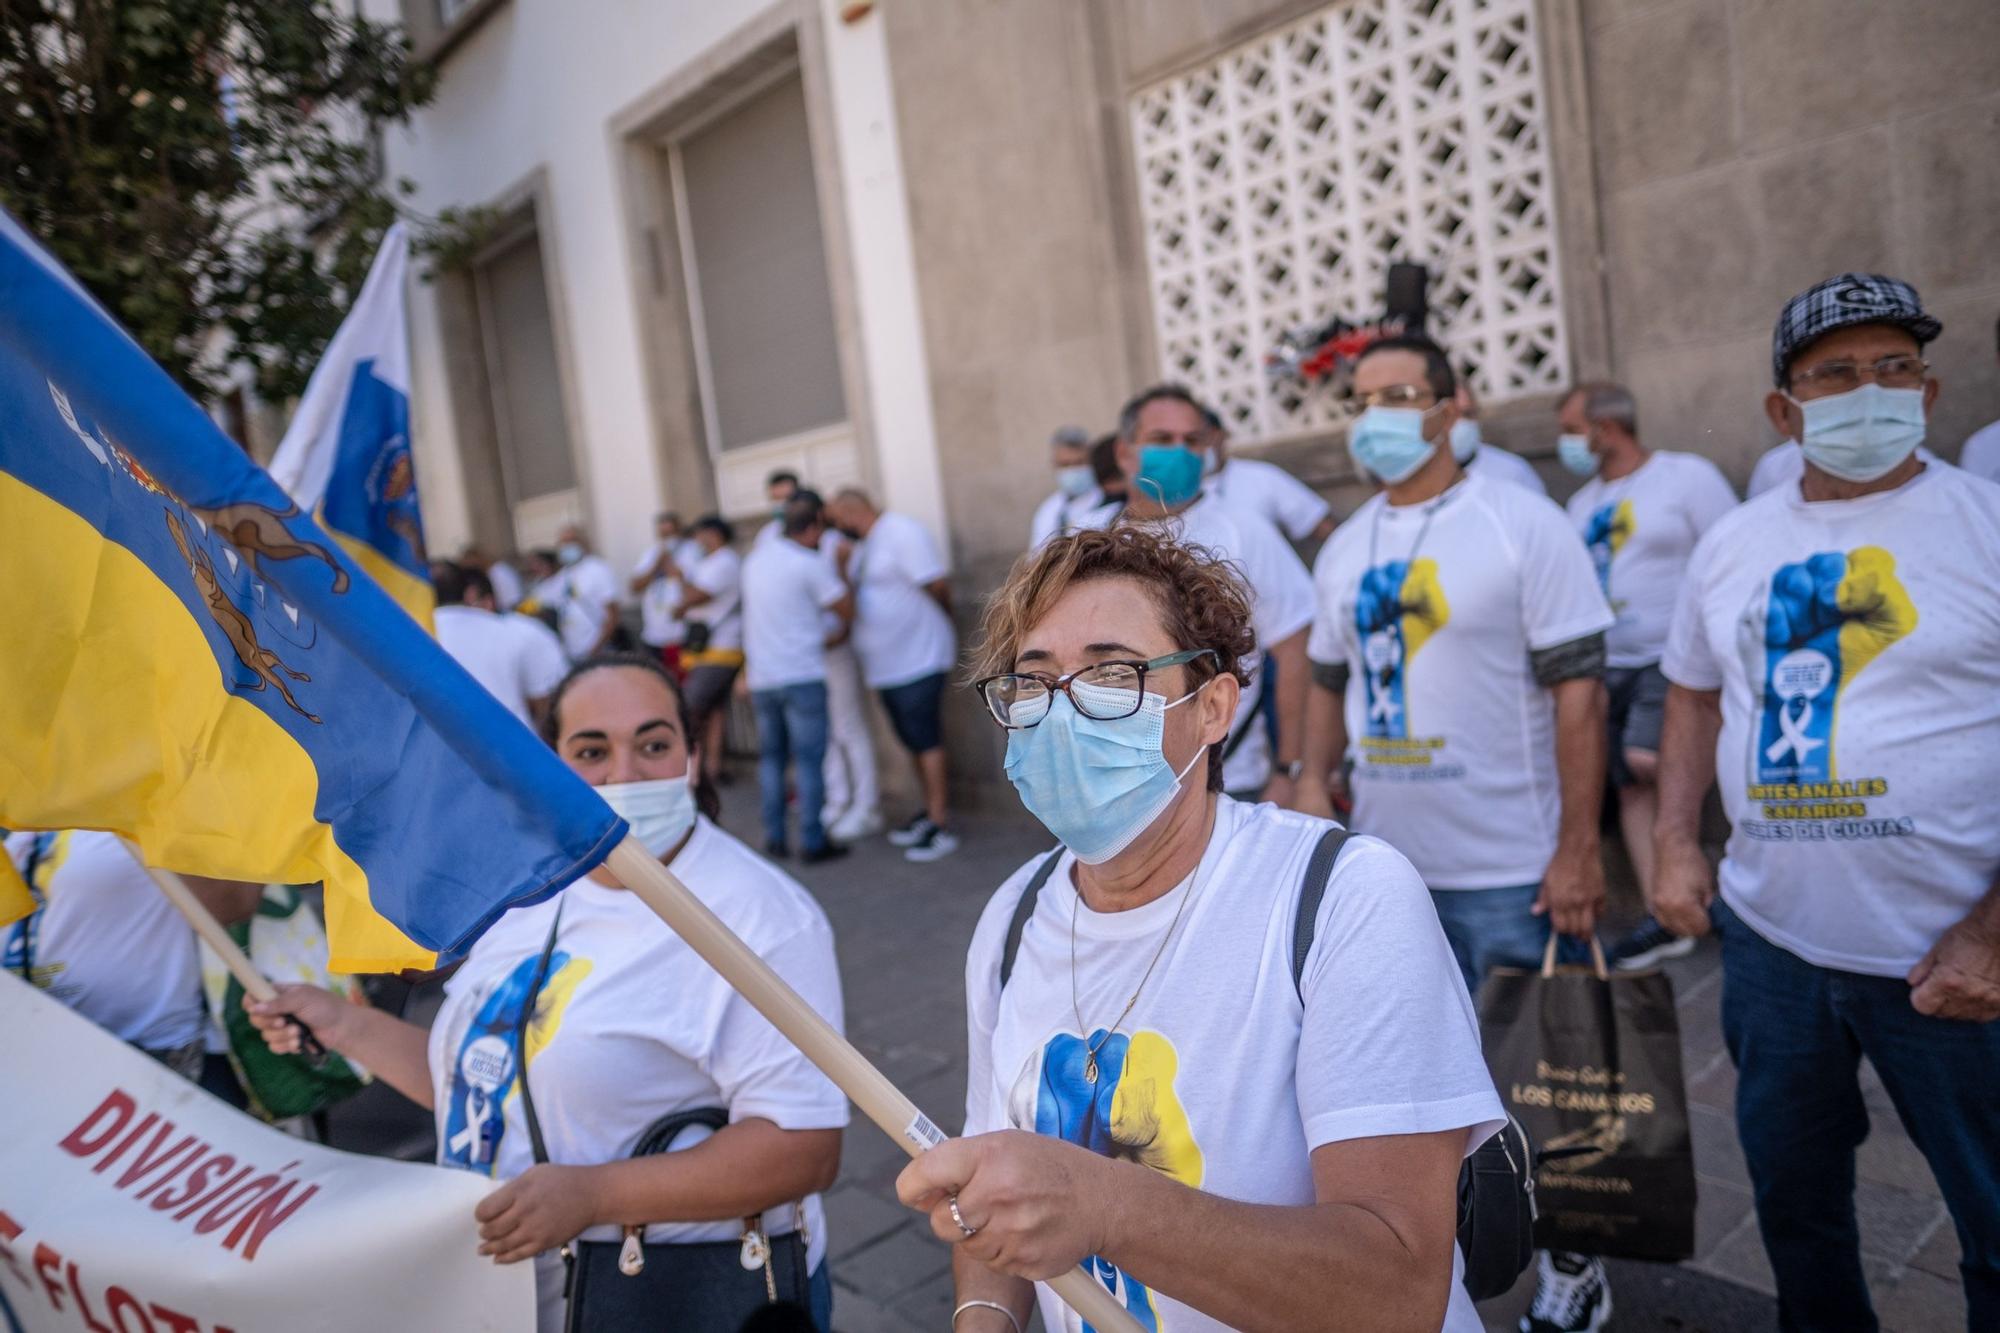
(213,933)
(879,1099)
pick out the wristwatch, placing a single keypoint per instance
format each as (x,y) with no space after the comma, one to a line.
(1294,770)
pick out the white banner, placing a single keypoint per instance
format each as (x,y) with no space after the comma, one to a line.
(133,1202)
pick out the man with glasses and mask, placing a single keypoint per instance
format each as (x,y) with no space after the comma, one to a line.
(1835,665)
(1460,643)
(1165,442)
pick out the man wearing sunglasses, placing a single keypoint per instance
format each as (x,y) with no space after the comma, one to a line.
(1835,664)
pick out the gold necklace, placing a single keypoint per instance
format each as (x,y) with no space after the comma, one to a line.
(1090,1051)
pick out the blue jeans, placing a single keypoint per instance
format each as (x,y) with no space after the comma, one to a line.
(1797,1033)
(821,1295)
(791,728)
(1489,928)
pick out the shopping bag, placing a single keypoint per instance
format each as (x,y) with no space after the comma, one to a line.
(1590,1063)
(287,944)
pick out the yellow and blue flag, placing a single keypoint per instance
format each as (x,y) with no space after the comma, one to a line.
(346,455)
(194,664)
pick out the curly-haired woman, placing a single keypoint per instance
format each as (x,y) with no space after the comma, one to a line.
(1151,1093)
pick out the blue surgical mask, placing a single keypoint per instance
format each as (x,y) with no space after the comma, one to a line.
(1864,433)
(1168,474)
(1388,443)
(569,552)
(1465,440)
(660,811)
(1573,451)
(1096,785)
(1076,481)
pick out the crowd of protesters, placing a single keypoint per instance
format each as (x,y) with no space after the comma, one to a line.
(1209,1043)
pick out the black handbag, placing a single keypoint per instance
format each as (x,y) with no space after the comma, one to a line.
(634,1286)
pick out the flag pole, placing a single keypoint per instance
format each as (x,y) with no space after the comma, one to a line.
(213,933)
(879,1099)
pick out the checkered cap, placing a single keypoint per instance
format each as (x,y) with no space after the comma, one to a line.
(1851,298)
(1076,436)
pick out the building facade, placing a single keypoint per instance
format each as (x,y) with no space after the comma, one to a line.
(897,243)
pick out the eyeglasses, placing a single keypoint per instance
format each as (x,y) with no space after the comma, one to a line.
(1397,395)
(1891,372)
(1104,691)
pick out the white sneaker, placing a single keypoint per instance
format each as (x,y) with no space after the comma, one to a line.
(854,825)
(938,843)
(912,833)
(1572,1295)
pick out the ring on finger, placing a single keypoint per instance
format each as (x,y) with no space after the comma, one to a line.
(959,1217)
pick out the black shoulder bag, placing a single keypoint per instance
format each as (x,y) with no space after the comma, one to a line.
(635,1286)
(1496,1185)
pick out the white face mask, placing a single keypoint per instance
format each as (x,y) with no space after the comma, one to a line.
(1864,433)
(1076,480)
(1464,440)
(660,811)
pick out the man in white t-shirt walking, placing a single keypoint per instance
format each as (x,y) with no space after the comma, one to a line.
(1164,442)
(1076,494)
(904,637)
(1835,668)
(787,586)
(517,658)
(1640,515)
(583,592)
(1459,642)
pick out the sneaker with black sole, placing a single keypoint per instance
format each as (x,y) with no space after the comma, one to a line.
(833,851)
(912,833)
(1649,945)
(937,844)
(1572,1295)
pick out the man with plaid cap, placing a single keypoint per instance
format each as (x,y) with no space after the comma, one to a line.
(1835,665)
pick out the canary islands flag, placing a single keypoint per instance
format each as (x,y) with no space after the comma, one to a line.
(194,664)
(346,456)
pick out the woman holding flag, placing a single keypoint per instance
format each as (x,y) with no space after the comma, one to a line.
(1226,1130)
(627,1037)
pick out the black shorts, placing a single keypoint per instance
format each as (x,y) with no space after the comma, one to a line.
(705,690)
(1638,705)
(915,712)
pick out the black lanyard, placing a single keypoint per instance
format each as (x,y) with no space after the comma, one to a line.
(521,1021)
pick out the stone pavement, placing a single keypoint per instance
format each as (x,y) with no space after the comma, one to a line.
(902,931)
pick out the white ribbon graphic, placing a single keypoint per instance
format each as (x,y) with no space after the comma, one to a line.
(1792,735)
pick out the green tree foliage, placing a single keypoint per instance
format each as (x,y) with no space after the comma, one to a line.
(205,164)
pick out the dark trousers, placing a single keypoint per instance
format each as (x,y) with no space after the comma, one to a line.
(1797,1033)
(791,727)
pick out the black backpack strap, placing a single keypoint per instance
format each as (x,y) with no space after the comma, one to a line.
(1319,870)
(1024,909)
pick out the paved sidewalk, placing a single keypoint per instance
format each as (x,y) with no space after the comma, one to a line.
(902,932)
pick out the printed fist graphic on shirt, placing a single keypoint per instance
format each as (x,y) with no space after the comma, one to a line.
(1829,617)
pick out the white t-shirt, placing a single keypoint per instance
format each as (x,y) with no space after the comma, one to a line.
(517,658)
(1281,604)
(106,941)
(1497,464)
(1273,494)
(1059,515)
(901,634)
(719,573)
(659,605)
(506,585)
(1640,530)
(1856,644)
(1219,1077)
(582,594)
(1454,740)
(1981,454)
(632,1025)
(785,587)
